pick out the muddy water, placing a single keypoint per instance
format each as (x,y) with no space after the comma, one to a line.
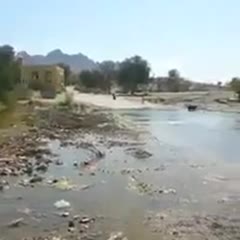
(194,169)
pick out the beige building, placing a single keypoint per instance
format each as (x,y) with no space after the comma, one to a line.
(51,75)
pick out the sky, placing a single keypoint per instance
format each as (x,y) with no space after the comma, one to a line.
(201,38)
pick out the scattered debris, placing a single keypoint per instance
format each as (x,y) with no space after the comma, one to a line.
(64,184)
(117,236)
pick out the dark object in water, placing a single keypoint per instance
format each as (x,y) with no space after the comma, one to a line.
(192,108)
(114,96)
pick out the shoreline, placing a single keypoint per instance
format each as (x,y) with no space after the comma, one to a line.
(163,101)
(93,159)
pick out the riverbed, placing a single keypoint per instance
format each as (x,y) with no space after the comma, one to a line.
(182,165)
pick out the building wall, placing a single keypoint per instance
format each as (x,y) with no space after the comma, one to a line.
(47,74)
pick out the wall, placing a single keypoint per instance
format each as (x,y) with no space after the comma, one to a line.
(56,72)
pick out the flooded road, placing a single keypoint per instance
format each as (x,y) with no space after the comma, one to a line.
(192,169)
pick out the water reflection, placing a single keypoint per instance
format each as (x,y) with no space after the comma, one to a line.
(211,135)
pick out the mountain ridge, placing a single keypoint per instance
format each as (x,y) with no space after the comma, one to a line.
(77,62)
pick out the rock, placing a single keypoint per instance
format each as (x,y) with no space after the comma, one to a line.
(59,162)
(29,170)
(216,225)
(42,167)
(36,179)
(71,224)
(62,204)
(16,223)
(175,233)
(140,154)
(64,214)
(75,164)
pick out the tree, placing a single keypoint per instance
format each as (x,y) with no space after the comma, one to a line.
(92,79)
(67,73)
(9,71)
(174,73)
(219,84)
(108,69)
(235,85)
(133,71)
(173,81)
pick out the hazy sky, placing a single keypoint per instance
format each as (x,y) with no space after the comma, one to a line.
(199,37)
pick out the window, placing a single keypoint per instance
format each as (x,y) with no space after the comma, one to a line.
(35,75)
(48,76)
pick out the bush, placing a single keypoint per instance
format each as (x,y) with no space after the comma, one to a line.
(9,99)
(68,100)
(22,92)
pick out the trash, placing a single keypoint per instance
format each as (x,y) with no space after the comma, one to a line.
(4,185)
(86,220)
(90,165)
(117,236)
(216,178)
(52,181)
(170,190)
(76,217)
(24,182)
(16,223)
(26,211)
(62,204)
(56,238)
(64,214)
(63,184)
(85,187)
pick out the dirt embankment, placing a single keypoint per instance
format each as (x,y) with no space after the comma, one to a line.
(224,101)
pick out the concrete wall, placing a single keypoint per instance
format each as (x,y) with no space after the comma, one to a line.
(47,74)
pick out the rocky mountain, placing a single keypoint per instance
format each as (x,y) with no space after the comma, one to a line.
(77,62)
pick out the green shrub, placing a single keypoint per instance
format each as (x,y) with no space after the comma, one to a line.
(22,92)
(67,101)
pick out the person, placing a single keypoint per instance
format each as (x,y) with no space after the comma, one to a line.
(114,96)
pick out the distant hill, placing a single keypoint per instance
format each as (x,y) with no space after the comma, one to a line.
(77,62)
